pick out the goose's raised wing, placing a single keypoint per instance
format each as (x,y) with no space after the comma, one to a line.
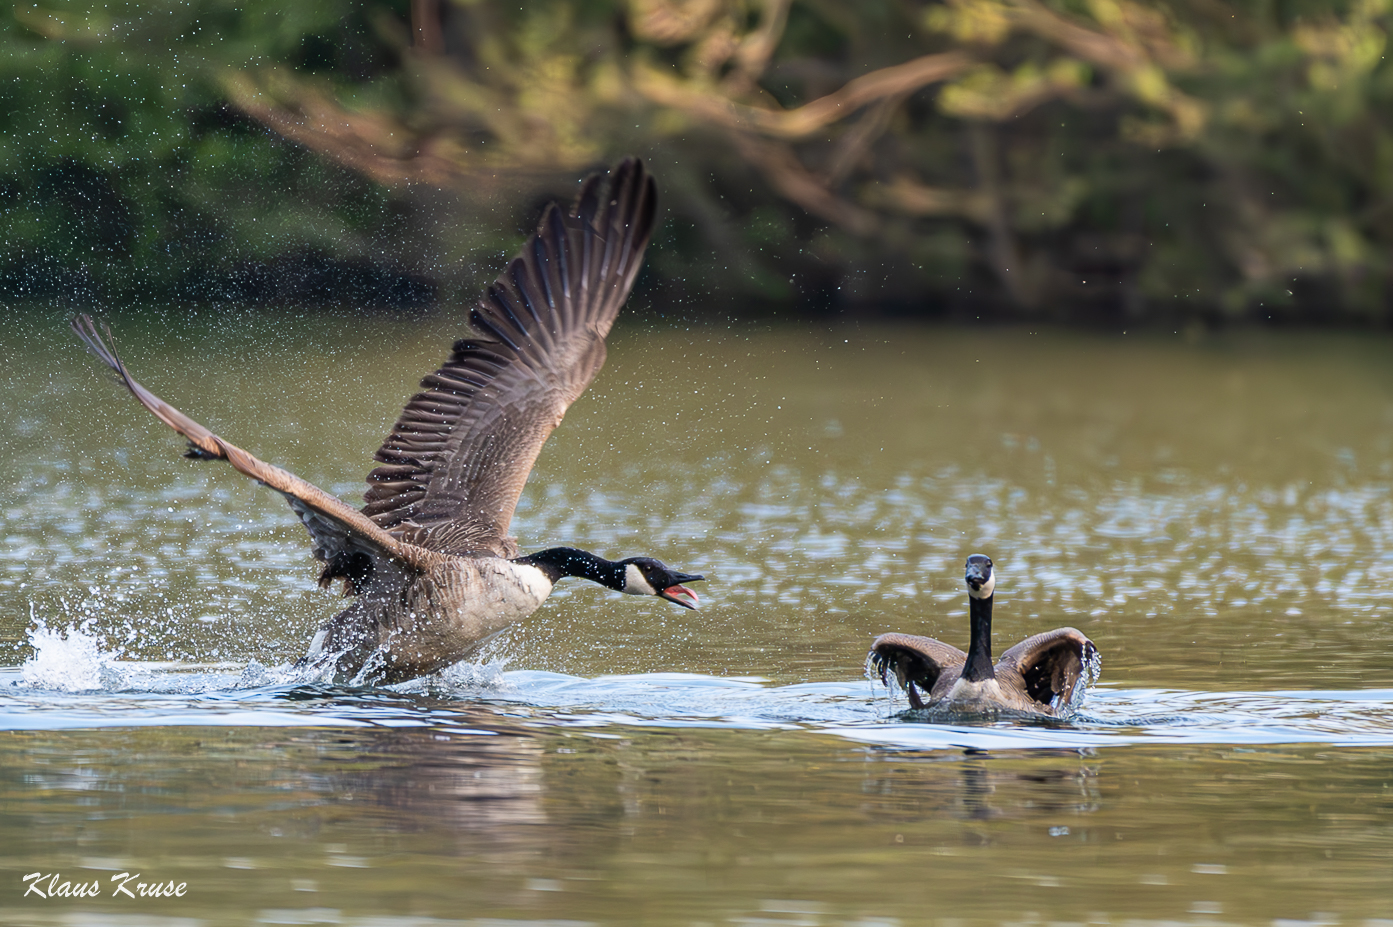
(916,662)
(1050,664)
(342,535)
(455,463)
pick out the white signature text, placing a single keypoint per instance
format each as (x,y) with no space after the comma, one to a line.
(53,885)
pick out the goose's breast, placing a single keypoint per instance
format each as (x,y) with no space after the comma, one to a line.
(453,608)
(983,690)
(514,586)
(478,597)
(991,695)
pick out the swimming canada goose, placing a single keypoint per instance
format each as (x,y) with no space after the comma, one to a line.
(1040,675)
(428,557)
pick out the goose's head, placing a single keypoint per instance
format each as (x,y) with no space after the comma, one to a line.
(646,576)
(980,578)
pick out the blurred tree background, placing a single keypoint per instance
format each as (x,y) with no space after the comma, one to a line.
(1080,160)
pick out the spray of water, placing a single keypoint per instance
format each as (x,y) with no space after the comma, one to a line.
(72,659)
(83,657)
(470,676)
(872,672)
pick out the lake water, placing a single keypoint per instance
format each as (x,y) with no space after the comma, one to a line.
(1215,513)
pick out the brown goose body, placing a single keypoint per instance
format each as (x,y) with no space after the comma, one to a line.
(417,622)
(1038,676)
(429,558)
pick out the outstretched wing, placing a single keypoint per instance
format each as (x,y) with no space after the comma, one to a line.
(342,535)
(916,662)
(455,463)
(1049,664)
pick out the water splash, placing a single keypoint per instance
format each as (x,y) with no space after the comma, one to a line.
(72,659)
(81,658)
(256,675)
(874,671)
(461,679)
(1092,671)
(470,676)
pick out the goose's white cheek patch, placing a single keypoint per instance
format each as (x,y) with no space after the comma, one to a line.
(635,583)
(986,591)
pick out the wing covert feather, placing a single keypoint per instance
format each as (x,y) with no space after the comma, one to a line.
(912,658)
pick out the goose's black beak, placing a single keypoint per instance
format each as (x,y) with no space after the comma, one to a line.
(679,593)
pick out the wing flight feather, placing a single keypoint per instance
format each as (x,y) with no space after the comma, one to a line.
(452,469)
(1050,663)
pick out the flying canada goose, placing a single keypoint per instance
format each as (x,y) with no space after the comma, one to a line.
(428,557)
(1039,676)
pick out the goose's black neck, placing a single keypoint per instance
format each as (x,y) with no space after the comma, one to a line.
(557,562)
(979,649)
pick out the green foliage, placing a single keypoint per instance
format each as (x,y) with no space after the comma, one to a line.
(125,174)
(1086,159)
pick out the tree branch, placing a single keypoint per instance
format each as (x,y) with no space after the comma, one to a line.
(799,123)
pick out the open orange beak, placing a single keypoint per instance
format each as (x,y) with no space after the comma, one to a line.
(681,595)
